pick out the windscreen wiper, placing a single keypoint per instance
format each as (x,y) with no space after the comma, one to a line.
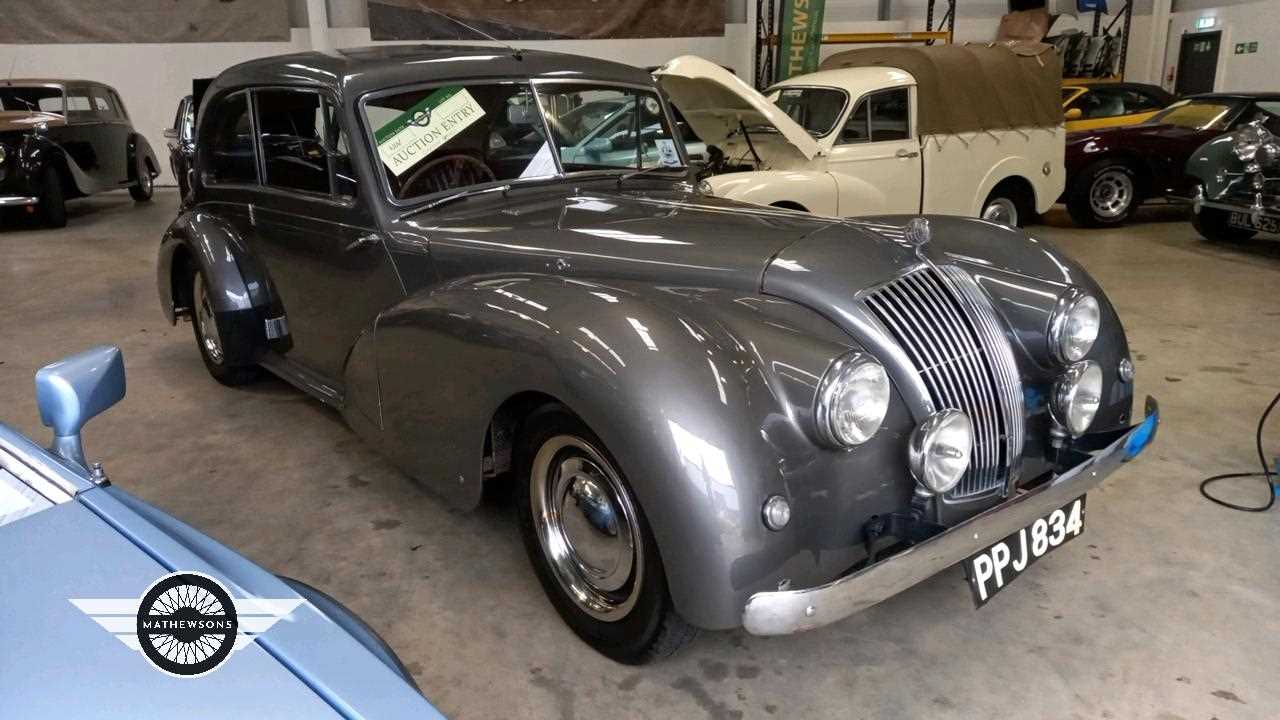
(457,196)
(638,173)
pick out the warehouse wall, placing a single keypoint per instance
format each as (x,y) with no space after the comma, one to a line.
(1240,22)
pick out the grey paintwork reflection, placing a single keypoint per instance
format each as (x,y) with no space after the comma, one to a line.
(688,332)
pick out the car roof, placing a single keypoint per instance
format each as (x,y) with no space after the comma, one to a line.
(1236,96)
(355,71)
(19,82)
(857,80)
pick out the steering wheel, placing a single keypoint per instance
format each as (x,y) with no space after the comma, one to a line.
(448,171)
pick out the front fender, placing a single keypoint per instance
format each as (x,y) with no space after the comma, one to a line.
(814,191)
(704,397)
(1209,160)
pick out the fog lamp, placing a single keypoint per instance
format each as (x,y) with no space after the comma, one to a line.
(1077,395)
(938,453)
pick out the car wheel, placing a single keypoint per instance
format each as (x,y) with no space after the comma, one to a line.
(590,544)
(145,186)
(53,205)
(210,339)
(1212,225)
(1104,194)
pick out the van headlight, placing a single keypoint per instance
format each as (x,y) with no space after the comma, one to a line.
(1074,326)
(1077,395)
(852,400)
(939,451)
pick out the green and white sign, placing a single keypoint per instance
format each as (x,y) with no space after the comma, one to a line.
(801,40)
(429,124)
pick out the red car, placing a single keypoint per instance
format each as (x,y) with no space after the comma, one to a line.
(1111,171)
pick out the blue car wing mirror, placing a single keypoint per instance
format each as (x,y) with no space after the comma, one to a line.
(73,390)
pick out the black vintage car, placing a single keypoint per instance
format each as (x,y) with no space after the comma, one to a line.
(713,414)
(1237,177)
(180,137)
(63,139)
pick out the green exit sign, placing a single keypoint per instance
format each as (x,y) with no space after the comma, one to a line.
(1246,48)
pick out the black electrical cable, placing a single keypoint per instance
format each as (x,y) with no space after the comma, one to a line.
(1267,474)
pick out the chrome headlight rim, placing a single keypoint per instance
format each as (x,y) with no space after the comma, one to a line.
(921,449)
(1068,303)
(1249,140)
(3,153)
(1067,392)
(833,381)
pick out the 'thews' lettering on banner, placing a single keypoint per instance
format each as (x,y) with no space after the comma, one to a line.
(426,126)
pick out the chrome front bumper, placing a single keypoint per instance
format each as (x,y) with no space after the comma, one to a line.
(17,200)
(792,611)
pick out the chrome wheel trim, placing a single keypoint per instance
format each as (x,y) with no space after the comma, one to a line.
(587,527)
(1001,210)
(147,181)
(206,324)
(1111,194)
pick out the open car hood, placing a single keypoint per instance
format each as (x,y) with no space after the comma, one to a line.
(717,103)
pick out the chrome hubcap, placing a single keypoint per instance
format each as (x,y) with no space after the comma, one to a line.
(1111,194)
(587,527)
(206,326)
(1001,210)
(146,181)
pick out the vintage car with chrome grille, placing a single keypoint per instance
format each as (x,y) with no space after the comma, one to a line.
(712,414)
(1238,180)
(64,139)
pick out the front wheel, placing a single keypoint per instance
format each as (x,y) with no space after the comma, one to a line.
(209,339)
(1104,194)
(590,544)
(1212,225)
(53,204)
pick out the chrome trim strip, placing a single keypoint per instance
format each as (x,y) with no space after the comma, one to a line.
(18,200)
(37,469)
(791,611)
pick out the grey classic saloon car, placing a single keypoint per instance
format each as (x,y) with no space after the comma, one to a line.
(713,414)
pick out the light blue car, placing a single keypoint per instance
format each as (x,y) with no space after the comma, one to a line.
(109,607)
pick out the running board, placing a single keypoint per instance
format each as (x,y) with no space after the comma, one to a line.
(304,379)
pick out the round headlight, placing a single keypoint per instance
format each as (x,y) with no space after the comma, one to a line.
(1249,139)
(1074,326)
(852,400)
(2,153)
(1076,396)
(939,450)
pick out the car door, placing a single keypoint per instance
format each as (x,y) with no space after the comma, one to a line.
(323,253)
(877,144)
(85,138)
(114,130)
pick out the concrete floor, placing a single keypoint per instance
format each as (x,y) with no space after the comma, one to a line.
(1166,609)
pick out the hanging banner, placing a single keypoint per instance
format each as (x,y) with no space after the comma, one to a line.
(801,41)
(24,22)
(543,19)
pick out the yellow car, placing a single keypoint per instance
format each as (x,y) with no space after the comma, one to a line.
(1089,106)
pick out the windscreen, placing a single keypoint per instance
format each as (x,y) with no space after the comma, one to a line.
(607,126)
(814,109)
(1197,114)
(31,99)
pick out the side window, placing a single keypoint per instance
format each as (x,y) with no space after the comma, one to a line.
(115,99)
(856,128)
(891,115)
(292,137)
(79,105)
(1136,101)
(103,105)
(1103,103)
(229,157)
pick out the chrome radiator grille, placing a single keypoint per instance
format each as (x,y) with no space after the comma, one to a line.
(946,326)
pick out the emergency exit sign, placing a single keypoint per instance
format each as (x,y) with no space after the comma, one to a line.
(1246,48)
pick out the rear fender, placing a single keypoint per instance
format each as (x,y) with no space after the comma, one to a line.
(703,397)
(238,290)
(139,145)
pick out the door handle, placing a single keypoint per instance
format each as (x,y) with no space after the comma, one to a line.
(904,153)
(361,242)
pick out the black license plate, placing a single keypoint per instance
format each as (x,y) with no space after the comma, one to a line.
(1245,220)
(991,570)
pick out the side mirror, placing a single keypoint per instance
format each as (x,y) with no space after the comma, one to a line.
(598,146)
(71,391)
(1074,114)
(171,133)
